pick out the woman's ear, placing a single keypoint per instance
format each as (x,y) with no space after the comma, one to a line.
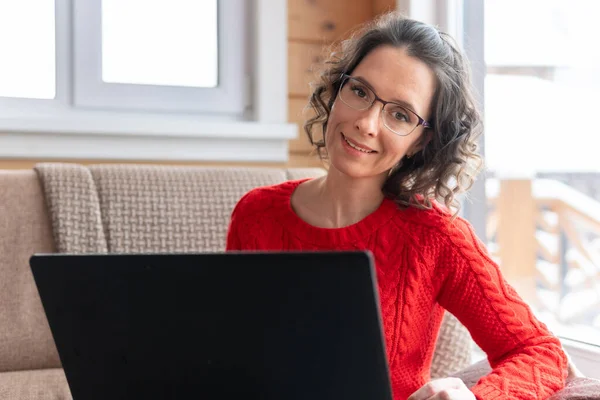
(421,143)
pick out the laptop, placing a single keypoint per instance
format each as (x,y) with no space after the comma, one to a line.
(216,326)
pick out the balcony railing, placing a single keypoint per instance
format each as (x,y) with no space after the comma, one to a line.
(546,237)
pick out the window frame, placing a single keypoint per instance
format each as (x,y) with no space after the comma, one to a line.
(56,129)
(230,96)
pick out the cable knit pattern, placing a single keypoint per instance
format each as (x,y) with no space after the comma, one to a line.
(425,263)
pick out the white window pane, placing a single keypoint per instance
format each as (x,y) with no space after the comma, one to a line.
(543,78)
(27,42)
(160,42)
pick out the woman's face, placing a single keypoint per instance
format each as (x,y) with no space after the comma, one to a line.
(393,76)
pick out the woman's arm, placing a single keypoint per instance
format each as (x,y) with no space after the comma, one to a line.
(527,360)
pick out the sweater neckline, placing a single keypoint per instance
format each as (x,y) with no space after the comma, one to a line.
(356,232)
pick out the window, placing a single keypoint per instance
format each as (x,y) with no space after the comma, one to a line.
(27,69)
(144,80)
(535,69)
(543,187)
(161,55)
(170,55)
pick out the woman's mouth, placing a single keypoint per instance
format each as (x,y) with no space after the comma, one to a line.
(354,145)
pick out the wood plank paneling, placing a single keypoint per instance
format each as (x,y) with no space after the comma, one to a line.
(383,6)
(326,20)
(303,58)
(299,160)
(298,115)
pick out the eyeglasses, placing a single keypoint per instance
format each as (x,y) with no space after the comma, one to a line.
(398,119)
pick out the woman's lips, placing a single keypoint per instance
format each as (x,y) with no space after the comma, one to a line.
(353,144)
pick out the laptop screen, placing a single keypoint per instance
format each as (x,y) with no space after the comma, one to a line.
(216,326)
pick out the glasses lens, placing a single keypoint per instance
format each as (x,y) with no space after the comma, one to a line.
(356,95)
(399,119)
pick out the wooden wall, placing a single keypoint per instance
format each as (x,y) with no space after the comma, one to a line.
(312,25)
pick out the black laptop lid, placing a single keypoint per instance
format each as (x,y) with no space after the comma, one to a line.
(216,326)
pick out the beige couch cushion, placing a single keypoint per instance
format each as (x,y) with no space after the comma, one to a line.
(172,209)
(47,384)
(25,339)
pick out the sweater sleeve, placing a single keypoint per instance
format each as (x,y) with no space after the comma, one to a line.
(527,360)
(233,239)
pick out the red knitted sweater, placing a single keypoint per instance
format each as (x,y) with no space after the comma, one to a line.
(425,263)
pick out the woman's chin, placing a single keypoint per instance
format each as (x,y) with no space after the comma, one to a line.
(355,170)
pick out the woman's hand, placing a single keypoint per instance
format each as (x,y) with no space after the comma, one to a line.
(443,389)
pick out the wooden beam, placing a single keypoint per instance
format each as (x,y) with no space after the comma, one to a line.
(516,235)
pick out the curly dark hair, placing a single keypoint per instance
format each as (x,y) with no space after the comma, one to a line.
(449,162)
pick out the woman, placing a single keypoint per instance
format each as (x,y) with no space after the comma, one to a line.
(399,128)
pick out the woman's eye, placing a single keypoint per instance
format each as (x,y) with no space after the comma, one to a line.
(400,117)
(360,92)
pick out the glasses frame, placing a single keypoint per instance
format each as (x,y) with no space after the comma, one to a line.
(344,78)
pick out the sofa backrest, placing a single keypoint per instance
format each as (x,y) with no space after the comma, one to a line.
(166,209)
(140,208)
(25,229)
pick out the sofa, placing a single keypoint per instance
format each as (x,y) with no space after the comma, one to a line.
(114,208)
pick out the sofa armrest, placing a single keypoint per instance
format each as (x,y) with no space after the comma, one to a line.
(577,387)
(473,373)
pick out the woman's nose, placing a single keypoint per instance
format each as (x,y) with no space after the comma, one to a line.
(369,120)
